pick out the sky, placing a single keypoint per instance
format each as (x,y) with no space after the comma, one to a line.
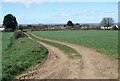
(58,12)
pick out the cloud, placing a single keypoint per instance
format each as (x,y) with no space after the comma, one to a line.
(76,13)
(68,13)
(90,10)
(29,2)
(91,15)
(76,16)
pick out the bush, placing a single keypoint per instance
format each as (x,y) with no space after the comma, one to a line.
(18,34)
(8,30)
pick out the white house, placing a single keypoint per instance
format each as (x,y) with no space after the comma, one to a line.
(109,27)
(1,29)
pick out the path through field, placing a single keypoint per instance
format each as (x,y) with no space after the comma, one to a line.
(58,65)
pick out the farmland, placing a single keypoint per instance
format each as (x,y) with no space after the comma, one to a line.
(19,55)
(103,41)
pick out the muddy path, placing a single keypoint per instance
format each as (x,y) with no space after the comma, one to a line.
(92,65)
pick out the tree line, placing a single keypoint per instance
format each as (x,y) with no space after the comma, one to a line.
(11,22)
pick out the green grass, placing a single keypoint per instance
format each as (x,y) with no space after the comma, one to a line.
(4,43)
(104,41)
(6,39)
(0,55)
(67,50)
(21,55)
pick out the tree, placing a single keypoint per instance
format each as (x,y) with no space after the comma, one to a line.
(77,24)
(21,27)
(29,26)
(10,22)
(107,22)
(69,23)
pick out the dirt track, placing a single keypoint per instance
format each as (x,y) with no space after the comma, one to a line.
(92,65)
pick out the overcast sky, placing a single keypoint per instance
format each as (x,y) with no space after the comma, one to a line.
(51,11)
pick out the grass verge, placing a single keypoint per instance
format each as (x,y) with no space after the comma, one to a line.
(21,55)
(66,49)
(6,40)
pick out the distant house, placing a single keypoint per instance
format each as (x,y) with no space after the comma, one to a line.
(115,26)
(2,29)
(56,27)
(111,27)
(69,27)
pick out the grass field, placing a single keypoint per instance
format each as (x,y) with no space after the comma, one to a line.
(104,41)
(20,55)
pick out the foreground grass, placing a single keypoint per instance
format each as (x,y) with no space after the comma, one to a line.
(104,41)
(0,55)
(18,57)
(6,40)
(4,44)
(67,50)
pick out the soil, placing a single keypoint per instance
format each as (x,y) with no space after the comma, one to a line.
(57,65)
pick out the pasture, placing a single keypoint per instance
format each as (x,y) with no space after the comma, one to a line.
(104,41)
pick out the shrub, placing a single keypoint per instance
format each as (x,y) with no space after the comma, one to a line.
(18,34)
(8,30)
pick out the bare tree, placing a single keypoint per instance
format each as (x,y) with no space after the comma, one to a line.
(107,22)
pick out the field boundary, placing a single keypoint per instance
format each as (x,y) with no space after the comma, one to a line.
(19,58)
(32,70)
